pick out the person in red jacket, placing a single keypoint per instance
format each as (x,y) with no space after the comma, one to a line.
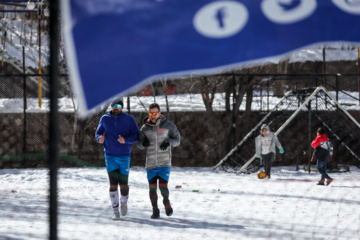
(323,154)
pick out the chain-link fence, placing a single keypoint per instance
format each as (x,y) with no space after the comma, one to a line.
(212,113)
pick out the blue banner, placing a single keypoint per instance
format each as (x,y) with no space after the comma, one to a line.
(112,46)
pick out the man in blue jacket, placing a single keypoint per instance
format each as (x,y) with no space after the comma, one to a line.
(117,131)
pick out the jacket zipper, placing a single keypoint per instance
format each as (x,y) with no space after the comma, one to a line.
(156,144)
(115,120)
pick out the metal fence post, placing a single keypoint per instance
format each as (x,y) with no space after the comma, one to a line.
(53,157)
(24,107)
(337,86)
(309,109)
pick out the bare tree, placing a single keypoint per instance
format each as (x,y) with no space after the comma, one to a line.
(282,68)
(237,86)
(208,90)
(164,83)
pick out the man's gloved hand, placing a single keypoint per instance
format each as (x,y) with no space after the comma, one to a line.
(164,145)
(261,161)
(146,142)
(281,150)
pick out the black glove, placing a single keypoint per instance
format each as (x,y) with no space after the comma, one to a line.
(146,142)
(164,145)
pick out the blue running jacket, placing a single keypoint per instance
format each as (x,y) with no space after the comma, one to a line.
(111,127)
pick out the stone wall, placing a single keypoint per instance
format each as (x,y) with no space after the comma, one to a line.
(205,139)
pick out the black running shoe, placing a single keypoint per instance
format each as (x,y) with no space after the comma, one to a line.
(156,213)
(168,208)
(169,211)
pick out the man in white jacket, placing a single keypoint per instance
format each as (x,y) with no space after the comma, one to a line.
(265,147)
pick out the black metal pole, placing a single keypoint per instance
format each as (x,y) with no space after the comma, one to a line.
(261,98)
(359,72)
(233,126)
(324,66)
(128,104)
(39,36)
(309,109)
(337,86)
(316,97)
(268,97)
(297,140)
(53,157)
(25,107)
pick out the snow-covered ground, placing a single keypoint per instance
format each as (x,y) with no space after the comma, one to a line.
(227,206)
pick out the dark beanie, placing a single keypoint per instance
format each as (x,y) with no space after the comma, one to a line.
(117,101)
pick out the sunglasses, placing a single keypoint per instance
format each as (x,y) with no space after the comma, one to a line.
(116,106)
(153,114)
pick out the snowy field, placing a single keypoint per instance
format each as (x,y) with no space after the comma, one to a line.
(227,206)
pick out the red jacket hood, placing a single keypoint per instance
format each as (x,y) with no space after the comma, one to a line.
(318,139)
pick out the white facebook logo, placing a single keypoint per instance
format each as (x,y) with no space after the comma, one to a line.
(221,19)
